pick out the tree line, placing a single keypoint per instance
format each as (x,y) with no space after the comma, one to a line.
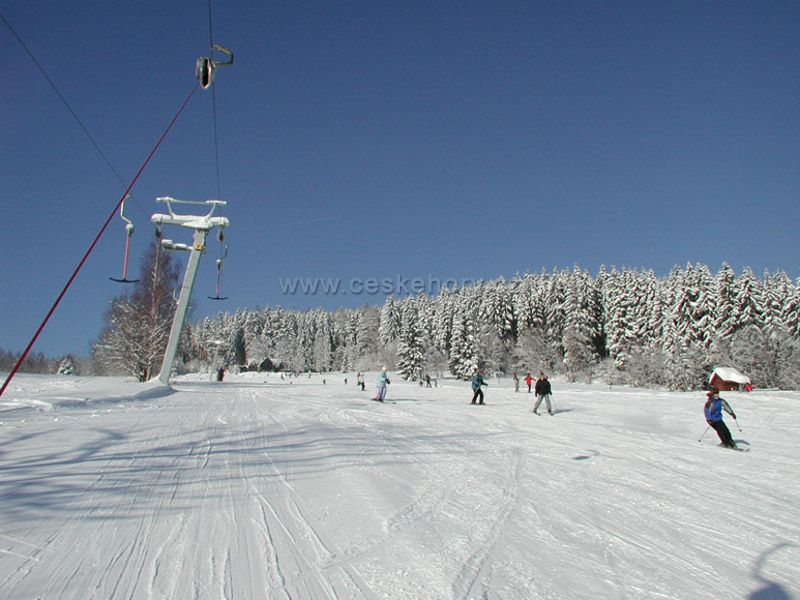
(628,324)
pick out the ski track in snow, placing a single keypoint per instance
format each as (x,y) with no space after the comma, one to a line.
(251,489)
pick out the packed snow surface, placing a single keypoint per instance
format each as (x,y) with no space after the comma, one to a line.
(259,488)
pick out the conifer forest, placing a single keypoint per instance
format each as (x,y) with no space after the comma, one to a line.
(626,325)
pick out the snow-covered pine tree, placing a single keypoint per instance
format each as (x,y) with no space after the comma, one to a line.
(287,350)
(778,290)
(651,296)
(442,328)
(619,315)
(749,301)
(321,340)
(555,317)
(497,310)
(253,327)
(694,307)
(791,311)
(788,360)
(390,322)
(349,334)
(410,350)
(464,358)
(754,353)
(66,366)
(725,323)
(580,326)
(367,350)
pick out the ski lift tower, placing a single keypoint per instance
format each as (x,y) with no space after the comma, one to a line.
(201,226)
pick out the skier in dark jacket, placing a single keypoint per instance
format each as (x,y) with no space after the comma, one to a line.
(543,390)
(713,411)
(477,382)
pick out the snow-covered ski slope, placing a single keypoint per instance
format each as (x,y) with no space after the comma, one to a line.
(255,488)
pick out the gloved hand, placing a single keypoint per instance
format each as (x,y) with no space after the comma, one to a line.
(734,416)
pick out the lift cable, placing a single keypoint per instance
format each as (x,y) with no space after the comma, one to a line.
(214,105)
(66,104)
(62,98)
(83,260)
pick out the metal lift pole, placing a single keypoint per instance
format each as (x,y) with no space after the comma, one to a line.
(201,226)
(195,253)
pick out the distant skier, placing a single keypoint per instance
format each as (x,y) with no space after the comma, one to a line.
(543,391)
(713,411)
(477,392)
(529,381)
(383,381)
(220,373)
(360,380)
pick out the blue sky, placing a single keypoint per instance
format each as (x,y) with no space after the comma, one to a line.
(370,140)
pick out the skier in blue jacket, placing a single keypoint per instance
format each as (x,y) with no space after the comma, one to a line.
(713,411)
(477,382)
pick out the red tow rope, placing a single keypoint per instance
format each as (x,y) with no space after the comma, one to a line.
(24,354)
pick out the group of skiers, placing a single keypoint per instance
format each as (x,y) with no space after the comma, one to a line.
(543,390)
(713,408)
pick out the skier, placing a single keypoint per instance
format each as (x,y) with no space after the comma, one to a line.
(713,411)
(543,390)
(477,382)
(220,373)
(360,380)
(383,381)
(529,381)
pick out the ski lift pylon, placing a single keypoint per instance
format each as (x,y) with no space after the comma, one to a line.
(128,235)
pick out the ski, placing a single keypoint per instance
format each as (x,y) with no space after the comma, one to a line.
(736,448)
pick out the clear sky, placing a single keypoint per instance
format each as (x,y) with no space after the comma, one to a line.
(400,140)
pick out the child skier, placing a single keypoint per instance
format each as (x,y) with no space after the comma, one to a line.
(713,411)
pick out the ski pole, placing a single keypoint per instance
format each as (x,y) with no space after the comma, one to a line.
(704,433)
(737,424)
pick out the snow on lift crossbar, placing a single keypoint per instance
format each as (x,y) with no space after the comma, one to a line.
(128,235)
